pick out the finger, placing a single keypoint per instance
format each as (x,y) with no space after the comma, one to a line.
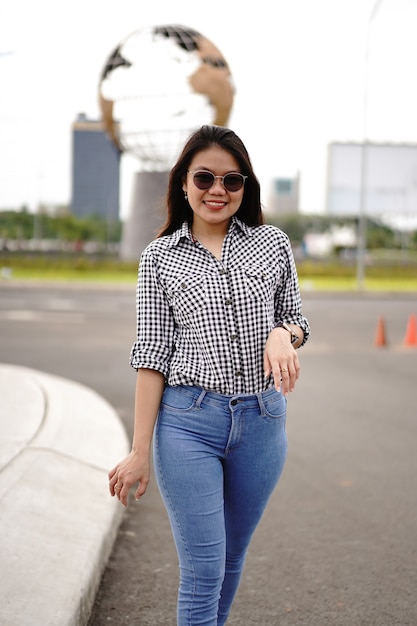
(113,485)
(285,380)
(122,495)
(277,376)
(289,374)
(267,366)
(114,490)
(112,479)
(140,491)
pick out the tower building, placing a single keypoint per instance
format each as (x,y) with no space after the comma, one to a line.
(95,171)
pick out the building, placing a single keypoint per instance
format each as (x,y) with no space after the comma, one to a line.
(95,171)
(379,179)
(284,196)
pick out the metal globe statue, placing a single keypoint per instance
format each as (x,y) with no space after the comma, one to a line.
(157,87)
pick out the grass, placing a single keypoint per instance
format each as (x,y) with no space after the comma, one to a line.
(313,276)
(68,275)
(322,283)
(333,283)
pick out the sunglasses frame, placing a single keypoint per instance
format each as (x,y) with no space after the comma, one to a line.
(194,172)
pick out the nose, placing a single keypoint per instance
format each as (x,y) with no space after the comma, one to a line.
(218,186)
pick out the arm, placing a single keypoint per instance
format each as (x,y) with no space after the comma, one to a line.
(280,356)
(136,466)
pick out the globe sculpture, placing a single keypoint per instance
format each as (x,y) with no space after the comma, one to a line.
(159,85)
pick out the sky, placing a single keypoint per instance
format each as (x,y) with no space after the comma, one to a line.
(307,73)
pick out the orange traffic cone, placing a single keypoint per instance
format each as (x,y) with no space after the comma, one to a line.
(410,339)
(380,338)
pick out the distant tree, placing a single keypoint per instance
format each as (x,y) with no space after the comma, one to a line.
(63,226)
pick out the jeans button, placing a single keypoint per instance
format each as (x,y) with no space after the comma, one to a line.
(233,402)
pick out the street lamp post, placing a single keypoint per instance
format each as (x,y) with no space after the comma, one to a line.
(361,250)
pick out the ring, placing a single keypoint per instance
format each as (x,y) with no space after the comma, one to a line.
(284,370)
(116,488)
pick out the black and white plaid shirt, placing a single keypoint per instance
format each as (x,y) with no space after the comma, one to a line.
(205,322)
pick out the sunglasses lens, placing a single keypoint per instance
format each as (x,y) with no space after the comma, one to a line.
(233,182)
(203,180)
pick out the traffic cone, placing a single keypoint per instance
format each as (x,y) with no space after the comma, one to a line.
(380,338)
(410,339)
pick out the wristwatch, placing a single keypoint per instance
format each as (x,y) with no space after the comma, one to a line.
(294,336)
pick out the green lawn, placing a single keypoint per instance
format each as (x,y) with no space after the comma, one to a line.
(342,283)
(126,276)
(71,275)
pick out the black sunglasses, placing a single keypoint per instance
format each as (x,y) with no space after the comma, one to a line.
(203,179)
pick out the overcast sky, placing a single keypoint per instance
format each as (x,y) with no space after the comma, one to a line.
(298,73)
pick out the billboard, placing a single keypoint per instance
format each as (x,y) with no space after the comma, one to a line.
(389,179)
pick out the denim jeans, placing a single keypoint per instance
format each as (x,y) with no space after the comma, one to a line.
(217,460)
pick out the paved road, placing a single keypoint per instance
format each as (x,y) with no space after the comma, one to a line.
(338,544)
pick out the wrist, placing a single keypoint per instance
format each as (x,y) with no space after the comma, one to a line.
(294,338)
(141,448)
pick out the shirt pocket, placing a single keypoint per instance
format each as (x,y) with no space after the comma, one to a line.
(188,296)
(260,283)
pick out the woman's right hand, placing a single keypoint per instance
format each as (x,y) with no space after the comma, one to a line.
(134,468)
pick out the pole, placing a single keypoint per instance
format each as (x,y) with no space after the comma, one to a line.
(362,225)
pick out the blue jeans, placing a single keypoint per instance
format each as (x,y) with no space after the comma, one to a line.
(217,460)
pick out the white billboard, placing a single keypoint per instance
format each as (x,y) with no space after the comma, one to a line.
(389,184)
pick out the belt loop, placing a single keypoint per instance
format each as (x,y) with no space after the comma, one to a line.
(261,402)
(200,399)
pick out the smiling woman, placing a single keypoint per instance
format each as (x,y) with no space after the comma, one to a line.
(218,323)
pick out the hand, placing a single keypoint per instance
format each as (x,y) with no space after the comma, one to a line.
(134,468)
(281,359)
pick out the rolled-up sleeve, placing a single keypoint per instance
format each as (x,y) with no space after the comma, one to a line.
(155,325)
(287,297)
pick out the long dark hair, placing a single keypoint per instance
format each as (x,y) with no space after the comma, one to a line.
(178,209)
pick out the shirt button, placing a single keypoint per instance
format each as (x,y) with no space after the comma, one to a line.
(228,302)
(239,374)
(183,285)
(233,337)
(222,271)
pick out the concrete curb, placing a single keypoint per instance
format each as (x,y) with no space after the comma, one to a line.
(58,522)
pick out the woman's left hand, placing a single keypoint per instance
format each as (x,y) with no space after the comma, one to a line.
(281,359)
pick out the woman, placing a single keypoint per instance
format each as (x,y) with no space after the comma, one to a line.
(219,320)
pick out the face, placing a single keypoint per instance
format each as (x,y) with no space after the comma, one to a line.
(213,208)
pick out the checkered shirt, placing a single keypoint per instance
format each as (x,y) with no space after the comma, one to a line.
(204,322)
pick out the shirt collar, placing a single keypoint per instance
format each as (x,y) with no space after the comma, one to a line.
(185,232)
(237,223)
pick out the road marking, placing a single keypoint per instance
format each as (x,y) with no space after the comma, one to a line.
(42,316)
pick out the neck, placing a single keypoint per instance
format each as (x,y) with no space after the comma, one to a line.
(211,240)
(209,231)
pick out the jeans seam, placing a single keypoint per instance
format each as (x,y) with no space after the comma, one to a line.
(179,526)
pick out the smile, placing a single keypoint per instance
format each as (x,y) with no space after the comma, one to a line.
(215,205)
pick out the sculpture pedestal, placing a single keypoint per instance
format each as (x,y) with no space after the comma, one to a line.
(146,215)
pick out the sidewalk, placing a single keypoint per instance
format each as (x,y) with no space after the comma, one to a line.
(58,439)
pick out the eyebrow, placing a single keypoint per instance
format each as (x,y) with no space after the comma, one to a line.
(207,169)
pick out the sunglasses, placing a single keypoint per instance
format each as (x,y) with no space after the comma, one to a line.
(203,179)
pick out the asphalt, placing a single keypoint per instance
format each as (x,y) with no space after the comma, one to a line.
(58,441)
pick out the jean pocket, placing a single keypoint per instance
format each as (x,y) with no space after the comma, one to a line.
(176,399)
(275,406)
